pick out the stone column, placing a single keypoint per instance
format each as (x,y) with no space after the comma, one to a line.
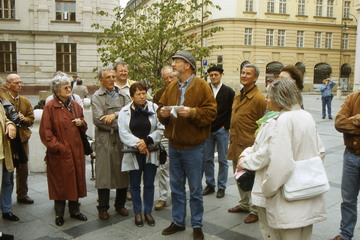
(356,86)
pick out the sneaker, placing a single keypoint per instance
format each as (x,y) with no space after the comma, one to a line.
(173,228)
(160,205)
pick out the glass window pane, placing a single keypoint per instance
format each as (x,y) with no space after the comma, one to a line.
(72,16)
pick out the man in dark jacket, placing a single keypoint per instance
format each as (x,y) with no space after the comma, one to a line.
(224,96)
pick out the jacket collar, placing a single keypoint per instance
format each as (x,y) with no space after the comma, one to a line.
(103,90)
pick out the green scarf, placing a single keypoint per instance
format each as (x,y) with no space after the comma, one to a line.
(267,116)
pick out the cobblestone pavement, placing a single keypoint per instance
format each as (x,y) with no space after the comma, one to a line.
(37,220)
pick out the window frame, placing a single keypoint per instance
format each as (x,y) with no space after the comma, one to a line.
(70,55)
(318,40)
(281,38)
(282,6)
(270,6)
(319,8)
(301,7)
(71,13)
(9,11)
(345,41)
(346,9)
(248,36)
(270,37)
(300,37)
(249,5)
(330,8)
(8,57)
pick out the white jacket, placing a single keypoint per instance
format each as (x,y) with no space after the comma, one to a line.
(295,138)
(129,161)
(256,158)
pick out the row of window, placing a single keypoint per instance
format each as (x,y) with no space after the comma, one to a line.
(300,39)
(65,9)
(280,6)
(65,57)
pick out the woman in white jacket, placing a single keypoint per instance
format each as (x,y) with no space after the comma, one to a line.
(282,140)
(140,131)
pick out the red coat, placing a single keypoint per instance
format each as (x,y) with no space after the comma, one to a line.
(65,154)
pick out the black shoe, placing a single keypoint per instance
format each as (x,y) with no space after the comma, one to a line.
(25,200)
(208,190)
(139,223)
(198,234)
(59,221)
(10,216)
(149,220)
(79,216)
(220,193)
(330,118)
(5,236)
(173,228)
(323,117)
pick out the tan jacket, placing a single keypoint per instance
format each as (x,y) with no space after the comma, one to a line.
(23,105)
(184,133)
(347,121)
(5,144)
(243,124)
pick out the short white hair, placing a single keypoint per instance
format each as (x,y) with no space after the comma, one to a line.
(284,93)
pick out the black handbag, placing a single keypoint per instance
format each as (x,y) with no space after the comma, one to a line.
(246,181)
(84,138)
(162,154)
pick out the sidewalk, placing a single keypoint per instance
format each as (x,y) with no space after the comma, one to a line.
(37,220)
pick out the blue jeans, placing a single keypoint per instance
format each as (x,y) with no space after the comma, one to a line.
(186,164)
(350,185)
(6,191)
(149,171)
(326,101)
(221,139)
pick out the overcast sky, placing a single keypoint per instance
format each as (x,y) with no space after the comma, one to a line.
(123,3)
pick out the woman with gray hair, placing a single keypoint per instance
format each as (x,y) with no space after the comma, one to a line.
(60,127)
(284,137)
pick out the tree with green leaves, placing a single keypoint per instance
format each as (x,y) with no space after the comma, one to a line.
(146,37)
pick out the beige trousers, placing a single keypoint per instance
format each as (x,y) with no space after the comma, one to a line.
(266,231)
(245,197)
(303,233)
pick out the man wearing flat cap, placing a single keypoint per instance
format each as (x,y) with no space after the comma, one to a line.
(187,109)
(219,136)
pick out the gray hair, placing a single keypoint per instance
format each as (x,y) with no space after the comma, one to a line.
(60,78)
(166,68)
(284,93)
(104,69)
(256,69)
(120,63)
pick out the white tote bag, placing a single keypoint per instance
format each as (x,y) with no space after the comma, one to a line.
(308,180)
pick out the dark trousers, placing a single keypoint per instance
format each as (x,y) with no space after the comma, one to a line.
(59,207)
(22,173)
(104,198)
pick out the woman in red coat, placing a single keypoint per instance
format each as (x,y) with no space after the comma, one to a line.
(61,122)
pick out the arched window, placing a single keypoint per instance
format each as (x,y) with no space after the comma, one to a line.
(301,67)
(321,71)
(273,70)
(345,76)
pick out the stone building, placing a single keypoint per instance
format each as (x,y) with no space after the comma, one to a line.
(40,37)
(318,36)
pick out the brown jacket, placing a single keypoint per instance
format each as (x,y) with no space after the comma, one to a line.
(347,121)
(5,144)
(184,133)
(23,105)
(243,124)
(157,95)
(65,157)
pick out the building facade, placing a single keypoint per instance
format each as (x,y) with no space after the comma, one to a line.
(318,36)
(40,37)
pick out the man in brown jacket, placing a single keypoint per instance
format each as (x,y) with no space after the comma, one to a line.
(187,109)
(23,106)
(249,106)
(347,122)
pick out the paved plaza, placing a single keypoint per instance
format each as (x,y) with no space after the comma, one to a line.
(37,220)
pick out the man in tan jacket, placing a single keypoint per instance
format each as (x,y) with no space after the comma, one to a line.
(249,106)
(26,114)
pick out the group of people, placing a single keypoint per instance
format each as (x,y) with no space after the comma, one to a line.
(190,117)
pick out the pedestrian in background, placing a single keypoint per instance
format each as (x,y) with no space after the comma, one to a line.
(80,89)
(167,76)
(326,96)
(60,126)
(219,136)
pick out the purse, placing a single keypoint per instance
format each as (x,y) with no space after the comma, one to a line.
(246,181)
(162,154)
(84,138)
(308,180)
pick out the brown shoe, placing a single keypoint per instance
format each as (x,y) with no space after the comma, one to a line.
(338,237)
(25,200)
(173,228)
(198,234)
(251,218)
(103,215)
(123,211)
(160,205)
(237,209)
